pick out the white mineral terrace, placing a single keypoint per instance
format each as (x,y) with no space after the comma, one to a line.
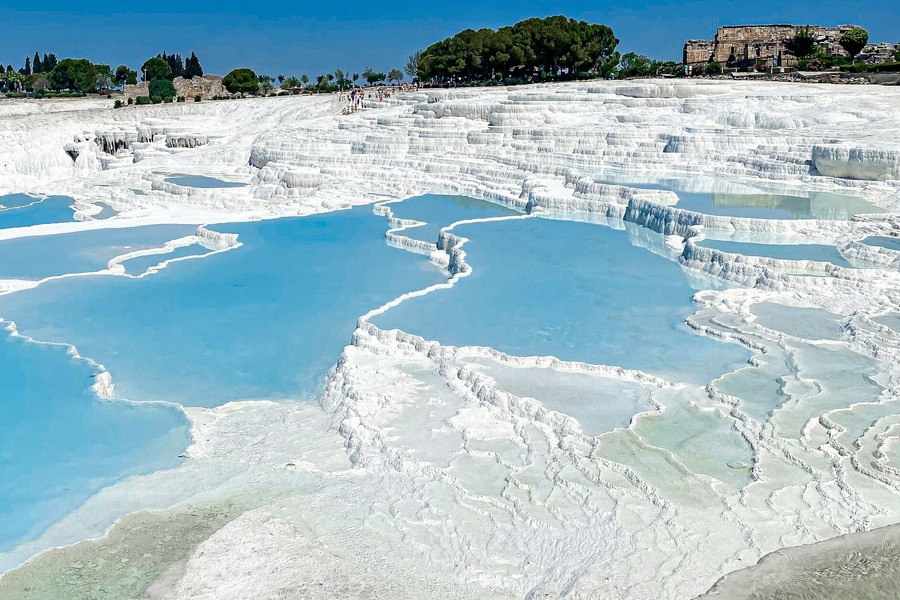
(419,475)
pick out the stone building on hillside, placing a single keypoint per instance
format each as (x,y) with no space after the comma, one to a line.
(207,87)
(744,46)
(879,53)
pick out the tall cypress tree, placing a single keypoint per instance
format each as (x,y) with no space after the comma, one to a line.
(27,70)
(36,66)
(192,67)
(177,65)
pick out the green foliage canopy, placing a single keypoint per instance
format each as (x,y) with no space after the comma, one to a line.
(802,44)
(77,74)
(395,75)
(241,81)
(372,76)
(125,75)
(854,41)
(635,65)
(156,68)
(412,65)
(547,46)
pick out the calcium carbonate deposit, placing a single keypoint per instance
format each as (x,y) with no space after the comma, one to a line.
(629,338)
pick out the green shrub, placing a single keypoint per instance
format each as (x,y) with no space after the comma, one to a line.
(162,88)
(130,101)
(888,67)
(860,68)
(712,68)
(118,104)
(142,100)
(198,98)
(180,99)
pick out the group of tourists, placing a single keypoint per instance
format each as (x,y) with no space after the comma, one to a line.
(357,100)
(357,97)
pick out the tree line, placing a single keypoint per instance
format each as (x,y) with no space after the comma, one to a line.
(535,49)
(170,66)
(45,74)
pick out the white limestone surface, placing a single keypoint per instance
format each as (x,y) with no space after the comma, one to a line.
(420,475)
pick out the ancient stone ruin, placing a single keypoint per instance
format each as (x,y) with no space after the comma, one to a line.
(207,87)
(746,46)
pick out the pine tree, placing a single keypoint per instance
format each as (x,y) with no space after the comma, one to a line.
(36,66)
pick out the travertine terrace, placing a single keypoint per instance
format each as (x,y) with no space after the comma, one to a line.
(418,474)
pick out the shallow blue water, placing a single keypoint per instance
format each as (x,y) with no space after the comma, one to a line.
(762,205)
(59,444)
(55,209)
(883,242)
(438,211)
(263,321)
(106,212)
(571,290)
(774,206)
(139,265)
(892,320)
(39,257)
(202,181)
(816,252)
(16,200)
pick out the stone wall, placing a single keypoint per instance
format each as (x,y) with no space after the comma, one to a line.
(878,53)
(206,87)
(697,52)
(743,46)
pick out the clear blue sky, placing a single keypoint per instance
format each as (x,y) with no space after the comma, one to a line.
(317,37)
